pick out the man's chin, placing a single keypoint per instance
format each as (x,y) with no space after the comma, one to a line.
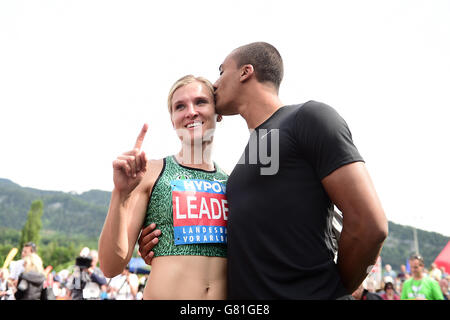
(219,111)
(225,111)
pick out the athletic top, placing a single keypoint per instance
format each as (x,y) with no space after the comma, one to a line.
(189,206)
(280,222)
(426,288)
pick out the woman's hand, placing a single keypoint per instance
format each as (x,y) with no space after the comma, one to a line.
(130,167)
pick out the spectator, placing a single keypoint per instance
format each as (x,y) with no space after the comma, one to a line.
(58,289)
(444,274)
(403,274)
(443,283)
(435,273)
(87,280)
(398,284)
(98,279)
(142,283)
(16,267)
(389,292)
(124,286)
(6,287)
(389,275)
(419,286)
(63,276)
(31,280)
(363,294)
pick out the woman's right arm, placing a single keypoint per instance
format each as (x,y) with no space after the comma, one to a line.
(127,209)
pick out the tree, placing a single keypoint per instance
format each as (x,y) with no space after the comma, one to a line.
(33,225)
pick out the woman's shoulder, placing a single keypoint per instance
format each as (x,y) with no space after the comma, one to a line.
(156,163)
(154,169)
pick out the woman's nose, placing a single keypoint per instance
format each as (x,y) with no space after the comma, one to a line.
(191,111)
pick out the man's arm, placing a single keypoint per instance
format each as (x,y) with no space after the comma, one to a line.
(97,277)
(365,225)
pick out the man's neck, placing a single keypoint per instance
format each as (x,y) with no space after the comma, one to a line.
(418,278)
(260,107)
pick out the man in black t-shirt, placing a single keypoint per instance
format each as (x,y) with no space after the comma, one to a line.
(300,161)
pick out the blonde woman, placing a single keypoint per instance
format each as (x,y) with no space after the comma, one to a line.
(31,280)
(184,194)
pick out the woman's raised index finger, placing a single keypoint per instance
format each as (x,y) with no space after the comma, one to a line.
(141,136)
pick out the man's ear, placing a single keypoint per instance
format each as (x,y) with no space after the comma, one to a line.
(247,71)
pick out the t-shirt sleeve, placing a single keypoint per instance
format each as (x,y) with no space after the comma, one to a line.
(97,277)
(324,138)
(436,291)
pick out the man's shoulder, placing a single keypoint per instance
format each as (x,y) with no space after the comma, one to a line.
(408,281)
(98,271)
(314,108)
(314,114)
(430,280)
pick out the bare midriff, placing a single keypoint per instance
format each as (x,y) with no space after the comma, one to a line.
(187,278)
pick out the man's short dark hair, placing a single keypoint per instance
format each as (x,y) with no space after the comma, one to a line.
(417,257)
(265,59)
(32,245)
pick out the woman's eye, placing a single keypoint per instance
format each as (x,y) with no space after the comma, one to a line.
(179,106)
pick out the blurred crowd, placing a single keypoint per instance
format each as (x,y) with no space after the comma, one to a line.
(26,279)
(412,282)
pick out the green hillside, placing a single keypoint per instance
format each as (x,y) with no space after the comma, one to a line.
(81,216)
(400,245)
(65,213)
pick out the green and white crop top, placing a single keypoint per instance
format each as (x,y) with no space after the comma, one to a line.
(189,206)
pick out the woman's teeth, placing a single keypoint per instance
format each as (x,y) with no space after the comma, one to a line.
(195,124)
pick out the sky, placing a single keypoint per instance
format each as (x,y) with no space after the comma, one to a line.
(79,78)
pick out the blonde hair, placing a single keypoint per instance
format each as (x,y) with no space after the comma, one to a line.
(185,81)
(33,262)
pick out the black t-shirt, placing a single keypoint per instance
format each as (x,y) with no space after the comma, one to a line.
(279,225)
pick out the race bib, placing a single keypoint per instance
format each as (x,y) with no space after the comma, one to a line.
(200,211)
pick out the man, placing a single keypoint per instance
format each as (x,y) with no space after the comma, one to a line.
(124,286)
(420,286)
(388,275)
(403,275)
(17,267)
(281,206)
(87,281)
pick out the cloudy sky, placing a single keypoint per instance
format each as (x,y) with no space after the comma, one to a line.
(79,78)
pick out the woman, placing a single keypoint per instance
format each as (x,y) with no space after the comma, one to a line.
(31,280)
(389,292)
(183,194)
